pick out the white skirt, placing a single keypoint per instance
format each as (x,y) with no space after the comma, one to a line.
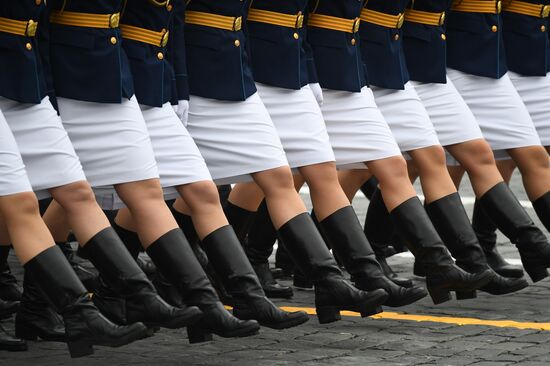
(13,177)
(235,139)
(299,123)
(535,93)
(47,152)
(408,119)
(111,140)
(178,158)
(453,121)
(498,109)
(357,130)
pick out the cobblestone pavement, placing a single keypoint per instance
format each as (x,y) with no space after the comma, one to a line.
(352,341)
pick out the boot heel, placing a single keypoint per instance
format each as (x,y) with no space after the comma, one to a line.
(80,348)
(373,311)
(439,296)
(25,332)
(328,314)
(466,295)
(197,335)
(537,273)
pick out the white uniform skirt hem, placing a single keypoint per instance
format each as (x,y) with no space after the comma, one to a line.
(453,121)
(13,177)
(44,145)
(498,109)
(407,117)
(235,139)
(299,124)
(535,93)
(357,130)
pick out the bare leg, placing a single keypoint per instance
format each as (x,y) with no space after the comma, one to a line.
(534,166)
(434,177)
(351,180)
(19,216)
(477,159)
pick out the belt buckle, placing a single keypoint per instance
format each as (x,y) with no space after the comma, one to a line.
(114,20)
(400,21)
(545,11)
(499,6)
(356,25)
(32,26)
(164,39)
(442,19)
(237,24)
(299,20)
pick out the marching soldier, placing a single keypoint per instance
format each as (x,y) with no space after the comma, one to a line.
(478,69)
(287,86)
(146,28)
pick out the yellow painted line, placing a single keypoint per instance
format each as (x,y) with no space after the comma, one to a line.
(436,319)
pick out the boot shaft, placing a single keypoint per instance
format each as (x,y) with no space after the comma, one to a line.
(185,222)
(453,226)
(306,247)
(239,218)
(378,225)
(53,275)
(261,236)
(484,228)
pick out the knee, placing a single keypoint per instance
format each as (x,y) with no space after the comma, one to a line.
(25,204)
(323,177)
(432,161)
(535,161)
(75,193)
(150,190)
(202,194)
(277,180)
(479,156)
(395,168)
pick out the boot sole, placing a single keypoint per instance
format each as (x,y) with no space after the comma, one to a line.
(286,324)
(14,348)
(407,300)
(82,348)
(509,290)
(372,306)
(287,294)
(173,323)
(538,273)
(30,333)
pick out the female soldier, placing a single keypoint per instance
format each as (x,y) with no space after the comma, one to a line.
(277,28)
(238,141)
(43,144)
(20,223)
(526,43)
(424,46)
(93,81)
(359,134)
(182,169)
(478,69)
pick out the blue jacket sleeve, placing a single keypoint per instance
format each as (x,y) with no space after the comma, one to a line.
(43,38)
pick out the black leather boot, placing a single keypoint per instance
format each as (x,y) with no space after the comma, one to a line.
(486,234)
(370,187)
(442,276)
(239,218)
(85,325)
(127,283)
(35,317)
(378,229)
(87,274)
(185,222)
(9,343)
(345,235)
(228,258)
(8,308)
(9,289)
(258,246)
(500,204)
(542,208)
(453,225)
(175,259)
(332,293)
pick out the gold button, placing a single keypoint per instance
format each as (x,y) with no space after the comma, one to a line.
(353,41)
(443,37)
(494,29)
(38,2)
(160,56)
(542,28)
(113,40)
(28,46)
(169,7)
(396,37)
(237,43)
(296,36)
